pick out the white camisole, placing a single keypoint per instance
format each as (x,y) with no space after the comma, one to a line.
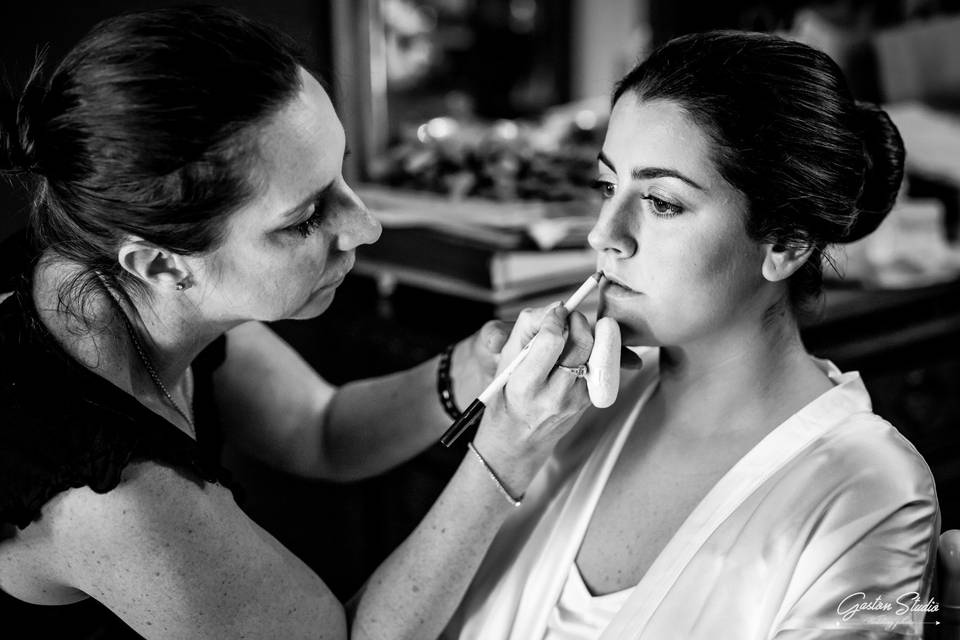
(579,615)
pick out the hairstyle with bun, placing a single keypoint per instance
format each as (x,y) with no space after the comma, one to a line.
(817,167)
(148,128)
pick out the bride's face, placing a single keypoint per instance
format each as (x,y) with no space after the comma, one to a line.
(671,234)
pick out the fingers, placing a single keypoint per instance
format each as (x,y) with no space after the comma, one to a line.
(546,347)
(525,328)
(579,343)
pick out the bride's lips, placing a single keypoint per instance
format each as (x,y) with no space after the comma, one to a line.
(615,288)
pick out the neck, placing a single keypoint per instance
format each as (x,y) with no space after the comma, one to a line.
(743,379)
(171,330)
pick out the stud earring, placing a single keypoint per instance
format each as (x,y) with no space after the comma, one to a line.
(186,283)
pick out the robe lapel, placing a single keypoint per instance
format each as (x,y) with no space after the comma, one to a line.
(546,579)
(768,456)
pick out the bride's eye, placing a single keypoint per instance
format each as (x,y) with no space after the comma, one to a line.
(605,188)
(663,208)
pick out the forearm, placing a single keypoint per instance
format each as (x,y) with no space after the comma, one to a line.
(375,424)
(416,590)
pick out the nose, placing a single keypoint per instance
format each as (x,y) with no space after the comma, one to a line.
(614,231)
(358,226)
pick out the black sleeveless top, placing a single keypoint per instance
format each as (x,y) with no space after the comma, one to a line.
(61,427)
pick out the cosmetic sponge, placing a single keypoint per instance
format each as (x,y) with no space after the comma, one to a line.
(603,366)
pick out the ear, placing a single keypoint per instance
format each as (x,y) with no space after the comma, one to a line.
(779,262)
(152,265)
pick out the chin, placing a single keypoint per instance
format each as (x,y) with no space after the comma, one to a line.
(638,339)
(635,332)
(313,307)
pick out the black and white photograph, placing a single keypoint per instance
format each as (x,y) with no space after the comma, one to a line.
(480,320)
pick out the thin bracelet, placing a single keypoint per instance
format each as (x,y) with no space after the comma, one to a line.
(506,494)
(445,384)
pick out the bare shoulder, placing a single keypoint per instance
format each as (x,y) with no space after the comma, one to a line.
(176,558)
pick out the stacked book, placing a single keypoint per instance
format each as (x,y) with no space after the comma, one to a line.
(506,254)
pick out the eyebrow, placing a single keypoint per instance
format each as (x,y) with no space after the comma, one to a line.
(315,195)
(297,208)
(649,173)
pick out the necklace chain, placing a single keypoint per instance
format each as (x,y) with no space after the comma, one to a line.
(152,371)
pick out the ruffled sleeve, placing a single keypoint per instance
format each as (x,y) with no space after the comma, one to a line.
(63,427)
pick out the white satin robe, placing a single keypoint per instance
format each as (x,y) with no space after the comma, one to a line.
(832,503)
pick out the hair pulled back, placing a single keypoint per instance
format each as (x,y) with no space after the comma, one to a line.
(147,128)
(817,167)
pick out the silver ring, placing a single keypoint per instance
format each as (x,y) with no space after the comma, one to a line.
(579,371)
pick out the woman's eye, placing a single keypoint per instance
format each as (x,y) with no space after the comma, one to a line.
(605,188)
(663,208)
(308,226)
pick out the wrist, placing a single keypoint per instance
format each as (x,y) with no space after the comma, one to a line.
(463,374)
(511,498)
(514,466)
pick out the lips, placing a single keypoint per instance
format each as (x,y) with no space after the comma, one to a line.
(341,274)
(617,285)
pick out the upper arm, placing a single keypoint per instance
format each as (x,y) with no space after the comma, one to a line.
(176,560)
(272,402)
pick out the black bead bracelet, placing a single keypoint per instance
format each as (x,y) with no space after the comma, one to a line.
(445,383)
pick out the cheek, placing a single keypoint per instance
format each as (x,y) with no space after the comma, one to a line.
(272,274)
(297,269)
(701,280)
(726,272)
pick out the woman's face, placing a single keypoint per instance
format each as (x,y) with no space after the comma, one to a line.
(671,235)
(286,252)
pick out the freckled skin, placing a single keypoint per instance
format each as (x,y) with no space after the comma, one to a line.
(697,270)
(262,272)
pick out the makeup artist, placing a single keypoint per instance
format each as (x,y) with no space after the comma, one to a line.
(186,174)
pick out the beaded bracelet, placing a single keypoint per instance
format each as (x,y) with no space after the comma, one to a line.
(445,383)
(503,490)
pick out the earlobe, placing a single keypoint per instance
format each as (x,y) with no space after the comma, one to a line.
(780,262)
(153,266)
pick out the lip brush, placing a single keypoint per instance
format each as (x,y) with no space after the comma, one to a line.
(475,411)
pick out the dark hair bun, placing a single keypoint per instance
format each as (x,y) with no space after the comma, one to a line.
(17,150)
(884,153)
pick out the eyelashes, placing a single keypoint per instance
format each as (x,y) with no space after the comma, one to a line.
(308,226)
(658,206)
(604,188)
(311,224)
(662,207)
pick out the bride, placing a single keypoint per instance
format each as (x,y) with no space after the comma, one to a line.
(739,487)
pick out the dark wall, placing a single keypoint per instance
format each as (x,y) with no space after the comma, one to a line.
(28,25)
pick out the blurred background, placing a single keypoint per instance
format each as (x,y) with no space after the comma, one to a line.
(475,127)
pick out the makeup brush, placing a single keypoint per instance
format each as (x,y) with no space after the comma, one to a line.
(475,411)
